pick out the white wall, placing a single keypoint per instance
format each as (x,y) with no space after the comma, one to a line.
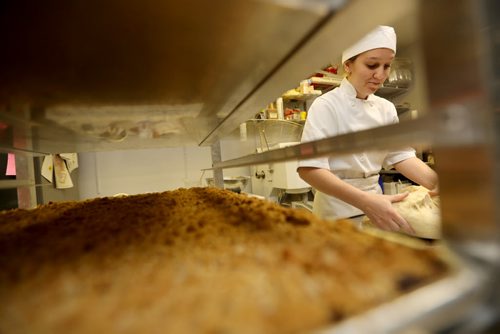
(152,170)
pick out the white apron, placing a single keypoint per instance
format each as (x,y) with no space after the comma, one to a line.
(328,207)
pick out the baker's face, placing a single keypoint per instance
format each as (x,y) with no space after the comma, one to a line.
(369,70)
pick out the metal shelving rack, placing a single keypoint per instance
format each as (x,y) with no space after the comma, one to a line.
(76,64)
(463,127)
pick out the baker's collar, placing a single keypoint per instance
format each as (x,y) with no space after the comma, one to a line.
(348,89)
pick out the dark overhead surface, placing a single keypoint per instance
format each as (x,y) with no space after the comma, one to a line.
(93,75)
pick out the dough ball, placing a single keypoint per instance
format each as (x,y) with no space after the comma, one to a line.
(421,211)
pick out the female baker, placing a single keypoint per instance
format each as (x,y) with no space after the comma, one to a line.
(347,185)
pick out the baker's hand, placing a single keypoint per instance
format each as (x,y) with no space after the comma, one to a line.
(434,192)
(381,213)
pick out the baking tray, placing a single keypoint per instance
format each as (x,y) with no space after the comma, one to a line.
(430,308)
(433,307)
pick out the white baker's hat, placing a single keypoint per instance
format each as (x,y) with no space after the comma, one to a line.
(380,37)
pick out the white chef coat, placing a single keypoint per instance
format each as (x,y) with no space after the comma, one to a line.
(338,112)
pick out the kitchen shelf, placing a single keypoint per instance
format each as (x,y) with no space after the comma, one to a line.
(419,131)
(97,103)
(326,81)
(299,97)
(470,222)
(76,87)
(76,95)
(387,92)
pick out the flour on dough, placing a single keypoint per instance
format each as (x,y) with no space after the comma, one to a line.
(421,211)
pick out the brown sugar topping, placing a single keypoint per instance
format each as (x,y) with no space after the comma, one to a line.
(193,260)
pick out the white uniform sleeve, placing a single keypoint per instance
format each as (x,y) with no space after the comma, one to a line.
(396,156)
(321,123)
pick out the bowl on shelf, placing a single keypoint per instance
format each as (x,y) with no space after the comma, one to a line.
(401,75)
(233,183)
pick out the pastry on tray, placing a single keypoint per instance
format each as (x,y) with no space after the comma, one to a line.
(198,260)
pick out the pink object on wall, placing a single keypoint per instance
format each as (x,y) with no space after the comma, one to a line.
(11,164)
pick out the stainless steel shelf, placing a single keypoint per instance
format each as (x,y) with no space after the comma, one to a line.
(12,184)
(391,136)
(331,38)
(429,309)
(71,81)
(167,76)
(462,127)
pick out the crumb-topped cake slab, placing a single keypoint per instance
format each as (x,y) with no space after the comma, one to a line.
(199,260)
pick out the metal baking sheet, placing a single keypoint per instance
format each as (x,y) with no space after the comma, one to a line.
(426,309)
